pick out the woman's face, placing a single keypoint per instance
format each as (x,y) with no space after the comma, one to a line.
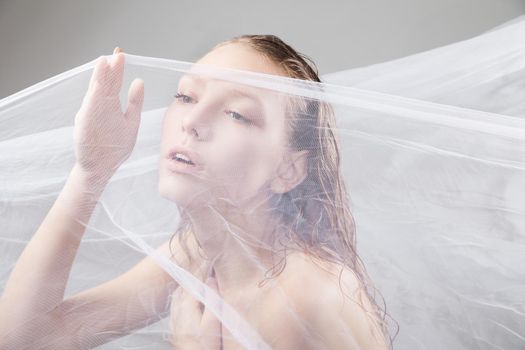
(236,134)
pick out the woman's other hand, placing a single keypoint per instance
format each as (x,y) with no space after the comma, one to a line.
(104,135)
(193,325)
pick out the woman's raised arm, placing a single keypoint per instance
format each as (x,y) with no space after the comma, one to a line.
(104,137)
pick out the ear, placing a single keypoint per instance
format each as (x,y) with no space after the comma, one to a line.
(291,172)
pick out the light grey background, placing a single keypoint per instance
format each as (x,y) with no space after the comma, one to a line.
(39,39)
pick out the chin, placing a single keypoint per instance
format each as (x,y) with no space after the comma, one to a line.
(180,189)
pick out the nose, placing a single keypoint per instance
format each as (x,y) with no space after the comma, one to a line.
(196,123)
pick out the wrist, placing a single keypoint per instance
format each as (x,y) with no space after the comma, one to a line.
(92,183)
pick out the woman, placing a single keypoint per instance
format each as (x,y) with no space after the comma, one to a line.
(256,176)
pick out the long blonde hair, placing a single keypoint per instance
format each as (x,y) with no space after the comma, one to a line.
(317,211)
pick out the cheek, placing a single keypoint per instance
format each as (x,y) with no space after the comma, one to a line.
(244,166)
(170,125)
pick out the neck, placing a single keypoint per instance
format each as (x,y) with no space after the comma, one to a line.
(238,244)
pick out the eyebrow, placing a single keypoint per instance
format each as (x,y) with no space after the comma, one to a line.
(191,78)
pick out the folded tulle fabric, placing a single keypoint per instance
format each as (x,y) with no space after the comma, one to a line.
(430,151)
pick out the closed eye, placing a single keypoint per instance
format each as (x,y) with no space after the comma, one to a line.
(184,98)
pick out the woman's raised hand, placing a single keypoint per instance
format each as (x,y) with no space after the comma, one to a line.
(104,135)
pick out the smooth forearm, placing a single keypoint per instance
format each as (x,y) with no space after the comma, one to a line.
(39,278)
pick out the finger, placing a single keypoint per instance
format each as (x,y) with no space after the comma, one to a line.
(209,320)
(117,50)
(176,296)
(210,324)
(190,310)
(116,74)
(135,100)
(99,73)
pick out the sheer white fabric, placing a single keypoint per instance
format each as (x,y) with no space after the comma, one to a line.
(432,151)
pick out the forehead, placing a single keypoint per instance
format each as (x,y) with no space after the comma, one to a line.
(242,57)
(238,56)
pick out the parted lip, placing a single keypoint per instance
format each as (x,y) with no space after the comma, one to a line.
(194,157)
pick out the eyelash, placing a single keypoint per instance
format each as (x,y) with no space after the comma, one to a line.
(242,118)
(179,95)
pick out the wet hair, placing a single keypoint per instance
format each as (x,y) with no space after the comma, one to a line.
(316,213)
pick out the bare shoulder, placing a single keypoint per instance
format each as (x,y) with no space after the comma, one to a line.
(329,298)
(303,271)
